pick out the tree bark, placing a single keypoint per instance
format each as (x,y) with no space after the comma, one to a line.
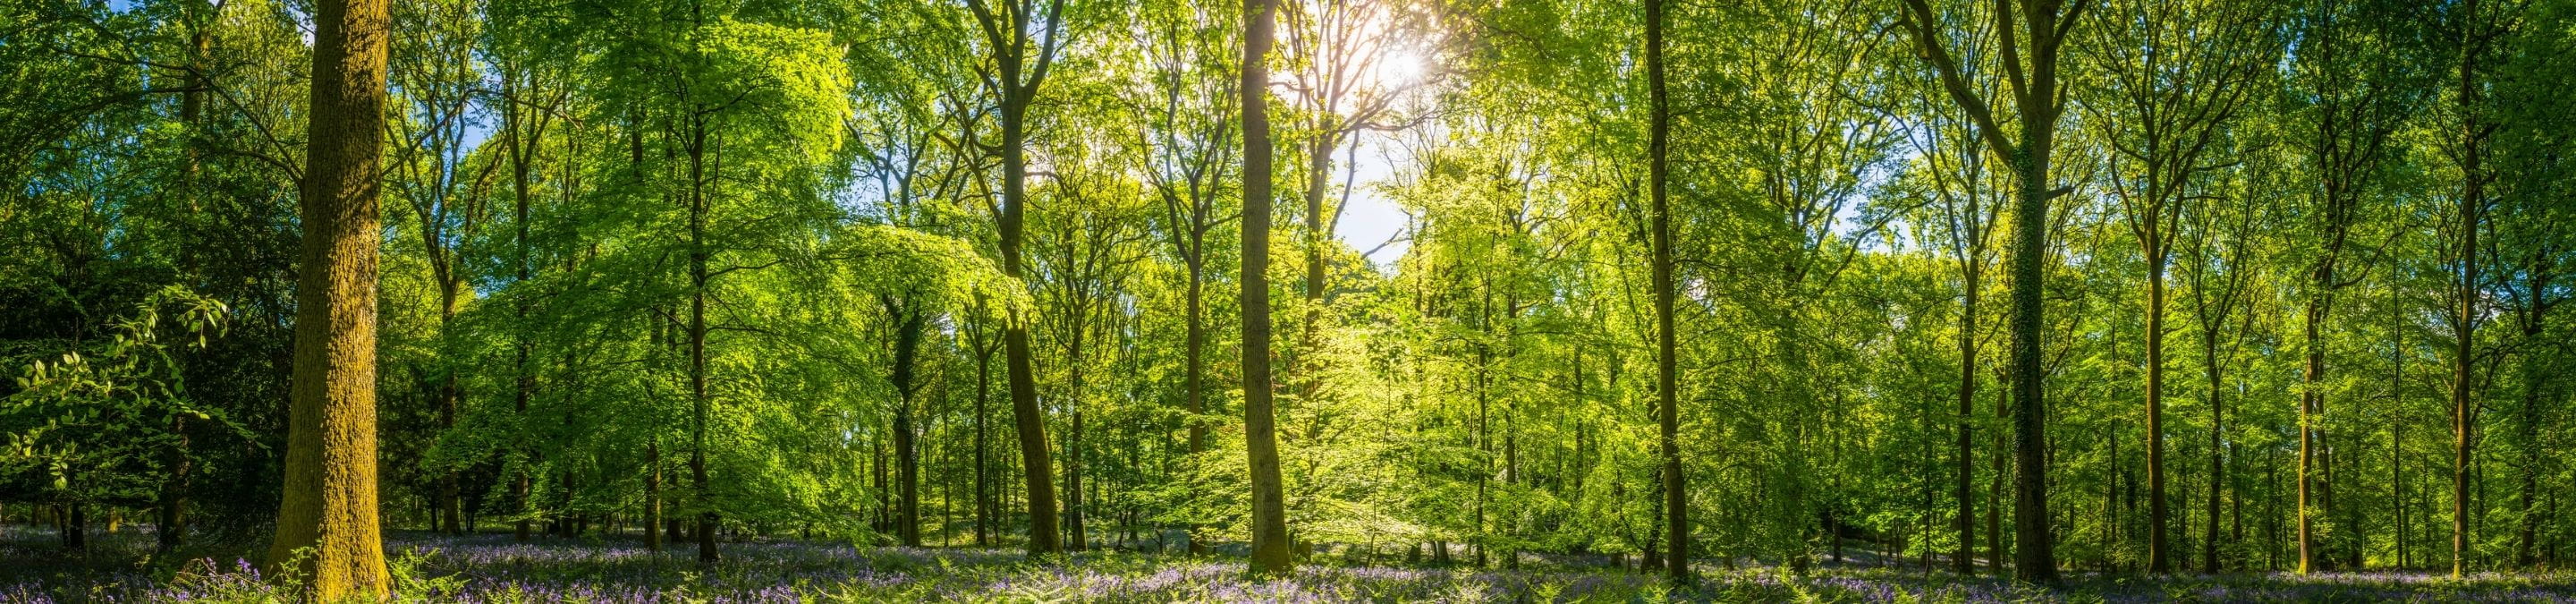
(1668,411)
(2465,320)
(2158,518)
(909,324)
(1196,382)
(2038,32)
(1270,552)
(653,495)
(1036,462)
(1963,561)
(328,509)
(984,507)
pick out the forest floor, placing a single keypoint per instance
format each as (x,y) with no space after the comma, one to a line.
(493,568)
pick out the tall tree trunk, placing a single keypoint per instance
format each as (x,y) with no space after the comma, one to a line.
(1076,535)
(700,405)
(909,324)
(1995,488)
(172,524)
(2217,449)
(521,147)
(984,506)
(1318,176)
(1035,461)
(2311,404)
(2158,518)
(1270,552)
(449,506)
(2533,375)
(653,495)
(329,504)
(2033,546)
(1964,560)
(2465,322)
(1668,412)
(1196,381)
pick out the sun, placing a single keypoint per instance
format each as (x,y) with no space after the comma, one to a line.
(1397,69)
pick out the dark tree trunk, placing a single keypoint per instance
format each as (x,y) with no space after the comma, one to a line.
(2465,319)
(1668,409)
(909,324)
(653,495)
(1035,461)
(1964,560)
(1196,381)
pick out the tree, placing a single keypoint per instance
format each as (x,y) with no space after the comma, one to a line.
(1668,407)
(2479,29)
(1192,130)
(2031,34)
(1019,69)
(326,524)
(1270,555)
(2174,95)
(2357,85)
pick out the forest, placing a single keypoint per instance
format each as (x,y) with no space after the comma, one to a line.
(1287,300)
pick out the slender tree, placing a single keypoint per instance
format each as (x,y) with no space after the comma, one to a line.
(2173,93)
(1270,552)
(1668,405)
(1023,39)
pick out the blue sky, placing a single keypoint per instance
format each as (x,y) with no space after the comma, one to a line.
(1371,218)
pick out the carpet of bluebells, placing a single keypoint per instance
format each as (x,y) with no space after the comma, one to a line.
(493,568)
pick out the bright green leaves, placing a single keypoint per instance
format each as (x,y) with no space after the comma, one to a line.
(787,84)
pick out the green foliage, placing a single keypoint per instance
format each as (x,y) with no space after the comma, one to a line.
(625,233)
(106,425)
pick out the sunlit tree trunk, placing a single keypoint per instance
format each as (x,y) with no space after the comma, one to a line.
(326,520)
(1270,551)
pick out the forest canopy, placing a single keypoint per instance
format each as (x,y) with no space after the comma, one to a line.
(2005,288)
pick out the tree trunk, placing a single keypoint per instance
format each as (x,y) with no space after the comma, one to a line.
(1668,411)
(909,324)
(1270,553)
(2527,532)
(1964,560)
(2033,546)
(1196,381)
(174,490)
(2465,322)
(1036,462)
(2311,404)
(1995,488)
(984,507)
(2217,448)
(76,527)
(700,405)
(329,501)
(653,495)
(2158,518)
